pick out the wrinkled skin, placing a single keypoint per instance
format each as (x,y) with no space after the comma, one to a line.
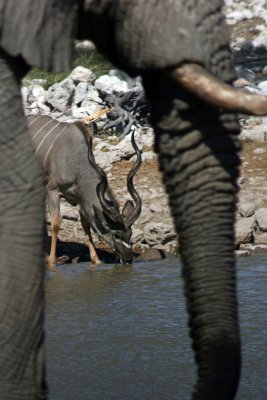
(197,146)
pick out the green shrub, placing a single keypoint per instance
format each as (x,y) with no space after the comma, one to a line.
(91,59)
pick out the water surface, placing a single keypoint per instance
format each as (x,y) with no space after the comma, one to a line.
(121,332)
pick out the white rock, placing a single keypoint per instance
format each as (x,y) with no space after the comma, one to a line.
(82,74)
(24,93)
(37,93)
(263,86)
(242,253)
(259,150)
(111,84)
(85,44)
(80,92)
(92,96)
(257,134)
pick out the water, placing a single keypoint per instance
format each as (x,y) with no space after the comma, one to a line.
(121,332)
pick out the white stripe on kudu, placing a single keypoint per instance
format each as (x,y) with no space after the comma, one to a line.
(54,141)
(35,119)
(40,130)
(48,133)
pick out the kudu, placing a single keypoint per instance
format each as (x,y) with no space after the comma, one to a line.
(63,150)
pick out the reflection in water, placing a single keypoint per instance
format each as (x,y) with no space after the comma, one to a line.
(119,332)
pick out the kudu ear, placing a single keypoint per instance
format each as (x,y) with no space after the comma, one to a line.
(128,209)
(115,222)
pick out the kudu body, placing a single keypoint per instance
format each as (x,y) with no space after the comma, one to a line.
(64,151)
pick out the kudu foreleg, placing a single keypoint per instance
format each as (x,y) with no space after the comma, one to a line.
(92,251)
(53,200)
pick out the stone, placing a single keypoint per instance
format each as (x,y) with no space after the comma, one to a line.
(83,112)
(111,85)
(80,92)
(260,237)
(154,254)
(37,95)
(242,253)
(263,86)
(258,135)
(158,233)
(246,209)
(244,230)
(60,95)
(24,93)
(155,208)
(68,212)
(85,45)
(137,235)
(261,219)
(92,96)
(82,74)
(259,150)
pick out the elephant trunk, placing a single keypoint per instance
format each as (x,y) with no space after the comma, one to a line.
(21,247)
(197,146)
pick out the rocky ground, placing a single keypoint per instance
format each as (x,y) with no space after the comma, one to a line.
(153,233)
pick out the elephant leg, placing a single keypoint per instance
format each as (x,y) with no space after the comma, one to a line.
(197,146)
(22,219)
(53,200)
(92,251)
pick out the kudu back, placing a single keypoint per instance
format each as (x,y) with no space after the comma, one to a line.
(64,151)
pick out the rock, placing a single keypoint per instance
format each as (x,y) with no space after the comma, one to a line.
(155,208)
(261,219)
(106,153)
(68,212)
(137,235)
(242,180)
(39,82)
(242,253)
(82,74)
(246,209)
(155,254)
(85,45)
(92,96)
(80,92)
(254,248)
(244,230)
(259,150)
(149,155)
(258,135)
(263,86)
(83,112)
(260,237)
(111,85)
(158,233)
(60,95)
(37,95)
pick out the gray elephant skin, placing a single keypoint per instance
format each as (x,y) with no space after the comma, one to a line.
(197,145)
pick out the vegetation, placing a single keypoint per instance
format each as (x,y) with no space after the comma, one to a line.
(91,59)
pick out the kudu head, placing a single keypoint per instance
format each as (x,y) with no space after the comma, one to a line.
(111,224)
